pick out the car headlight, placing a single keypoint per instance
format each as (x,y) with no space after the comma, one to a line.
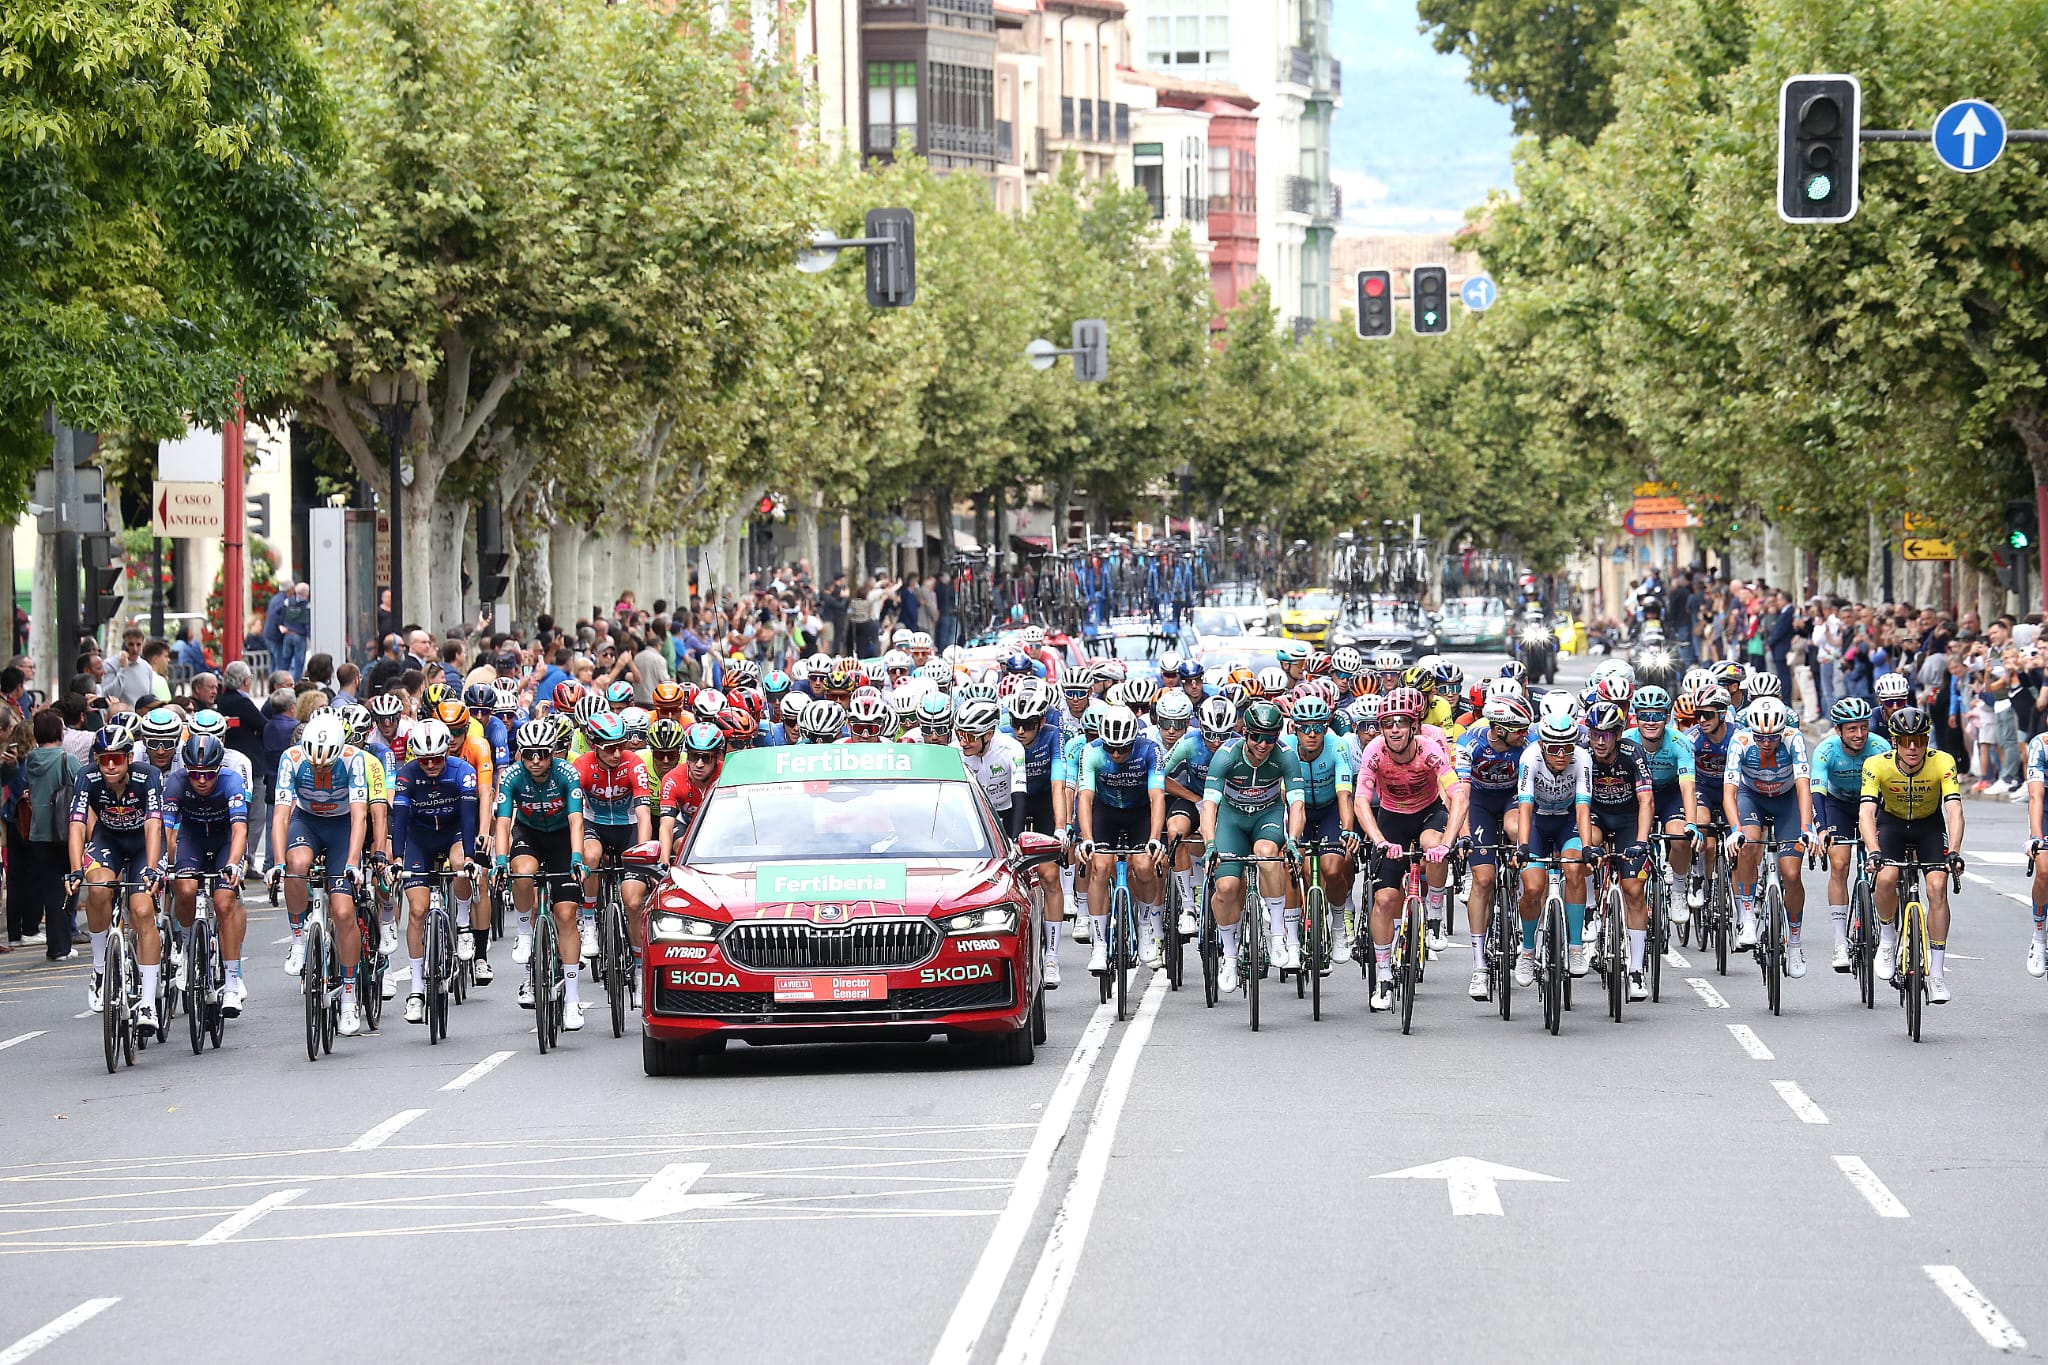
(666,926)
(994,919)
(1535,635)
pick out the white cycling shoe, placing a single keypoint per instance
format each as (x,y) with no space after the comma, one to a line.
(1098,957)
(389,990)
(1638,988)
(1189,925)
(1575,961)
(1937,990)
(295,956)
(1795,961)
(387,939)
(351,1020)
(2037,958)
(1477,988)
(526,993)
(1149,951)
(522,950)
(1287,953)
(1082,933)
(1525,967)
(481,972)
(1226,975)
(145,1018)
(465,946)
(1382,996)
(415,1009)
(572,1015)
(1052,973)
(1745,935)
(233,997)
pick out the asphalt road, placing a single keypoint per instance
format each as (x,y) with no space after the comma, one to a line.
(1701,1181)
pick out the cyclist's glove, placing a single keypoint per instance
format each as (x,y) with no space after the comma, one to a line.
(576,867)
(72,881)
(500,862)
(1388,850)
(1154,849)
(1293,851)
(1086,848)
(1955,864)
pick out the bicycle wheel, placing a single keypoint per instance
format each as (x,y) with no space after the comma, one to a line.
(1409,969)
(199,965)
(1660,936)
(330,995)
(370,979)
(1552,968)
(432,972)
(1863,935)
(1209,947)
(1916,970)
(1504,943)
(615,955)
(1773,946)
(538,973)
(110,1002)
(1254,923)
(1121,929)
(1315,944)
(1719,908)
(312,989)
(1170,941)
(1614,952)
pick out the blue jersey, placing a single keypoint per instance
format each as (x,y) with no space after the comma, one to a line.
(1839,773)
(500,740)
(1127,785)
(1768,768)
(124,812)
(1710,760)
(206,814)
(1068,768)
(1041,757)
(1670,760)
(1323,776)
(317,789)
(443,803)
(1188,762)
(1490,770)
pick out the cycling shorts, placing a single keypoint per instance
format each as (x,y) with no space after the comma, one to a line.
(1122,827)
(125,854)
(1757,809)
(1617,825)
(1239,832)
(1405,829)
(615,840)
(1833,813)
(1038,813)
(1550,835)
(327,836)
(1667,803)
(1180,805)
(1483,822)
(550,848)
(201,854)
(426,850)
(1925,839)
(1323,823)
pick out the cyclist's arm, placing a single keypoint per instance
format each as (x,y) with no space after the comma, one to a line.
(1952,808)
(1804,786)
(401,819)
(238,819)
(468,809)
(1866,816)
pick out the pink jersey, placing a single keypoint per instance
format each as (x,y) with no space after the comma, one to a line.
(1405,788)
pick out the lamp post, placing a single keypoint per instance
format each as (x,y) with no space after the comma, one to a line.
(393,395)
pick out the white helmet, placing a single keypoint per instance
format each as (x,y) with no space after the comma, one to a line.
(1561,703)
(1119,726)
(324,738)
(1767,716)
(1174,707)
(977,716)
(429,739)
(1034,637)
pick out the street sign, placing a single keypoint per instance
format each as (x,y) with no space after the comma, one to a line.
(1479,292)
(382,569)
(1968,136)
(88,509)
(188,511)
(1919,550)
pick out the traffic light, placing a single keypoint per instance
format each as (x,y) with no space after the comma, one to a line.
(1091,350)
(1820,119)
(892,269)
(100,553)
(2022,524)
(496,579)
(1430,289)
(1375,304)
(259,515)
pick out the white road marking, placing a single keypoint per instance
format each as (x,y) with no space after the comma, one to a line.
(1705,989)
(1980,1311)
(381,1134)
(1473,1185)
(83,1014)
(1038,1313)
(1672,958)
(985,1285)
(53,1329)
(2027,901)
(479,1071)
(1999,857)
(1751,1044)
(280,942)
(1871,1188)
(1978,878)
(235,1222)
(665,1192)
(1808,1111)
(25,1037)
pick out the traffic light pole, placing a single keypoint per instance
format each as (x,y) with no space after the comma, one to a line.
(234,575)
(2040,531)
(64,483)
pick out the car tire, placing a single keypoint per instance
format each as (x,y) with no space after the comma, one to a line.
(658,1058)
(1015,1049)
(1038,1019)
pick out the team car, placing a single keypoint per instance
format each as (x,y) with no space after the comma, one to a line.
(845,892)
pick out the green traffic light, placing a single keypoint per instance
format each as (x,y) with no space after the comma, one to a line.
(1819,187)
(2018,540)
(1429,319)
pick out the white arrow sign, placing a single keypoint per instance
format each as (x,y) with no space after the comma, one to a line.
(1473,1184)
(667,1191)
(1971,129)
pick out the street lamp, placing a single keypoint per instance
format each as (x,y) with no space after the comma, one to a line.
(394,395)
(891,249)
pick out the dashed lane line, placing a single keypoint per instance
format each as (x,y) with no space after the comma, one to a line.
(479,1071)
(382,1133)
(53,1329)
(1705,990)
(1798,1101)
(22,1038)
(1977,1310)
(242,1218)
(1751,1044)
(1871,1188)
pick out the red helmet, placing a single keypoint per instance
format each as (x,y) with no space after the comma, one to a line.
(566,694)
(1402,701)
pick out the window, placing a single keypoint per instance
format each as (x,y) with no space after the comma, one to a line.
(1219,174)
(1188,33)
(1148,173)
(892,103)
(962,109)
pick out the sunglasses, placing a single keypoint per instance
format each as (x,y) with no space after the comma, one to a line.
(202,774)
(867,731)
(703,758)
(610,750)
(1305,727)
(1652,717)
(537,756)
(1117,748)
(1560,750)
(435,760)
(1261,739)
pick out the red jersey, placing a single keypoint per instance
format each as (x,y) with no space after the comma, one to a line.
(682,798)
(612,793)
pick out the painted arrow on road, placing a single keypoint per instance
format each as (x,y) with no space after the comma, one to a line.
(1473,1184)
(667,1191)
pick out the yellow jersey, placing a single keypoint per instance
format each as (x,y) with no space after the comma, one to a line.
(1911,796)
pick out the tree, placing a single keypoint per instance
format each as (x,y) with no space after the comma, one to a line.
(1551,62)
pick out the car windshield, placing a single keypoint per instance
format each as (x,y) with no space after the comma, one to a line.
(838,819)
(1474,606)
(1216,621)
(1313,601)
(1255,658)
(1131,649)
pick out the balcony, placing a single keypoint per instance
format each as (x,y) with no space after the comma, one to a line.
(1297,66)
(1006,142)
(1336,77)
(974,14)
(1041,158)
(1194,208)
(1297,194)
(1333,203)
(963,141)
(882,136)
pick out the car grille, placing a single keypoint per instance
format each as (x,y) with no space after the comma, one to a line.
(902,1004)
(782,946)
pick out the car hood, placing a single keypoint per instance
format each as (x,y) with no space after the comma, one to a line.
(928,885)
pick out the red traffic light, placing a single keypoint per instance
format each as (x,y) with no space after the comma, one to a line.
(767,507)
(1375,285)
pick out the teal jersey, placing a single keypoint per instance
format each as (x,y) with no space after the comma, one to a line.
(1323,776)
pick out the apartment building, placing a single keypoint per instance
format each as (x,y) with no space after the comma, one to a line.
(1194,152)
(904,73)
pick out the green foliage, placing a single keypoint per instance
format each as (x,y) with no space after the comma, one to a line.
(1551,62)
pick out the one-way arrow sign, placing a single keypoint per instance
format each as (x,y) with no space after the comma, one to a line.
(1473,1184)
(667,1191)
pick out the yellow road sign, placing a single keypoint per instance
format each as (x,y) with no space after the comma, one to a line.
(1918,548)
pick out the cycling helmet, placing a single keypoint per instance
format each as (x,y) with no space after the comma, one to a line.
(840,678)
(453,714)
(1218,720)
(1894,687)
(1713,701)
(1030,702)
(1142,693)
(1850,711)
(619,694)
(794,705)
(1273,680)
(1505,687)
(1238,695)
(977,690)
(741,673)
(1291,652)
(1091,718)
(1264,719)
(358,720)
(1516,670)
(566,694)
(1652,703)
(1311,710)
(1111,671)
(1119,727)
(480,697)
(429,739)
(1760,685)
(535,735)
(935,712)
(565,732)
(1509,712)
(978,717)
(705,738)
(324,739)
(936,672)
(708,702)
(903,706)
(114,739)
(386,706)
(162,726)
(1032,636)
(1605,717)
(822,721)
(1388,661)
(1365,711)
(1685,712)
(1190,670)
(433,694)
(1558,728)
(776,684)
(1449,677)
(1695,679)
(897,661)
(749,701)
(1347,661)
(1904,723)
(1017,662)
(607,728)
(203,754)
(1767,716)
(665,735)
(867,710)
(1560,703)
(208,721)
(1402,701)
(1612,687)
(1421,677)
(667,696)
(507,699)
(1726,673)
(741,730)
(1174,708)
(1621,668)
(1319,664)
(1169,666)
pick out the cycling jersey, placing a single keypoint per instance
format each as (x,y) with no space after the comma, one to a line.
(1188,763)
(432,809)
(1911,796)
(612,794)
(1670,760)
(1551,792)
(1041,756)
(1068,768)
(1710,760)
(1408,785)
(499,739)
(475,750)
(376,777)
(1769,772)
(207,815)
(1323,776)
(1838,772)
(999,769)
(545,804)
(1235,782)
(681,798)
(2037,759)
(313,789)
(1490,770)
(1621,778)
(1127,785)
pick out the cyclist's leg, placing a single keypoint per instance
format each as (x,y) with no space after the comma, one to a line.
(565,895)
(417,895)
(1892,845)
(2040,909)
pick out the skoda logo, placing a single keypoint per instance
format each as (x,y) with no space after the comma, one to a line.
(829,914)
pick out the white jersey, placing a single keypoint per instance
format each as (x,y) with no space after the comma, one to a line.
(999,769)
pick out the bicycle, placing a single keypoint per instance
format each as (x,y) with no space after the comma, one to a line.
(544,969)
(1716,919)
(204,969)
(1123,933)
(121,985)
(1863,933)
(1317,929)
(1913,964)
(1769,948)
(1503,931)
(1251,940)
(1553,977)
(1171,940)
(441,975)
(1610,954)
(1409,946)
(1660,890)
(614,950)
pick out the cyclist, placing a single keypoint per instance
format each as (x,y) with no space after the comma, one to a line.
(472,748)
(387,713)
(482,701)
(1403,778)
(1186,764)
(664,750)
(1673,791)
(1768,782)
(685,790)
(116,836)
(1327,815)
(1251,804)
(617,798)
(322,811)
(1066,777)
(434,815)
(1488,764)
(378,767)
(993,759)
(1122,804)
(1709,737)
(206,822)
(1623,810)
(1894,692)
(1912,806)
(1039,740)
(1554,789)
(1837,803)
(540,836)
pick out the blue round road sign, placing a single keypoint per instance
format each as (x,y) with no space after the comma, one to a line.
(1968,136)
(1479,293)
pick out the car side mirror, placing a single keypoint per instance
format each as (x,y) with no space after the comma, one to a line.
(1035,850)
(643,855)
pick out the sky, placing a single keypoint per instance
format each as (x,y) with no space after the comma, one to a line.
(1413,144)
